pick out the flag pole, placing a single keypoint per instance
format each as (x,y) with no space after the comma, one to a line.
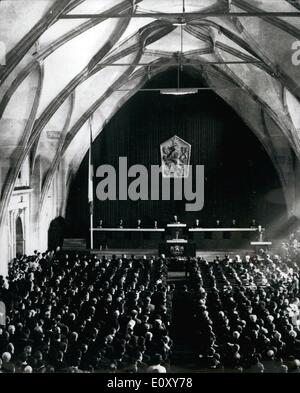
(91,187)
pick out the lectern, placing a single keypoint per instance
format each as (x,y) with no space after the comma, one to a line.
(176,231)
(176,243)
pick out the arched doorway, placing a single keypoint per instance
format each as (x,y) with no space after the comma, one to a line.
(19,237)
(56,233)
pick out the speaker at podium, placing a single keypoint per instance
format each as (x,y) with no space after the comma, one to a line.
(177,243)
(176,229)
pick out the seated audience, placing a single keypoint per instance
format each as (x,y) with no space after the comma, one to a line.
(83,314)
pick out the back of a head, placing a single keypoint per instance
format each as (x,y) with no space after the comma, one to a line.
(28,370)
(283,369)
(157,359)
(6,356)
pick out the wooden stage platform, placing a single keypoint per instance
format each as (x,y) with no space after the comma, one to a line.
(151,238)
(119,252)
(206,254)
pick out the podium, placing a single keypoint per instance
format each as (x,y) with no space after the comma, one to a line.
(177,248)
(177,243)
(176,230)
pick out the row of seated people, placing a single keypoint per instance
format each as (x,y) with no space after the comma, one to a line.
(197,223)
(244,313)
(81,314)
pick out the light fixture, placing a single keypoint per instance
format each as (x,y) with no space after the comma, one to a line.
(180,91)
(180,22)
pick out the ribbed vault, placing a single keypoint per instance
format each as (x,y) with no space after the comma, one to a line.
(69,60)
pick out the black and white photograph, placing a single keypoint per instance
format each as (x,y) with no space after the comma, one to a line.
(149,190)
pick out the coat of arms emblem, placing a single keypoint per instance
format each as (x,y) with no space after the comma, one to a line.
(175,158)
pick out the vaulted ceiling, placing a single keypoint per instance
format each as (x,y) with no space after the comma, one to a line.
(68,60)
